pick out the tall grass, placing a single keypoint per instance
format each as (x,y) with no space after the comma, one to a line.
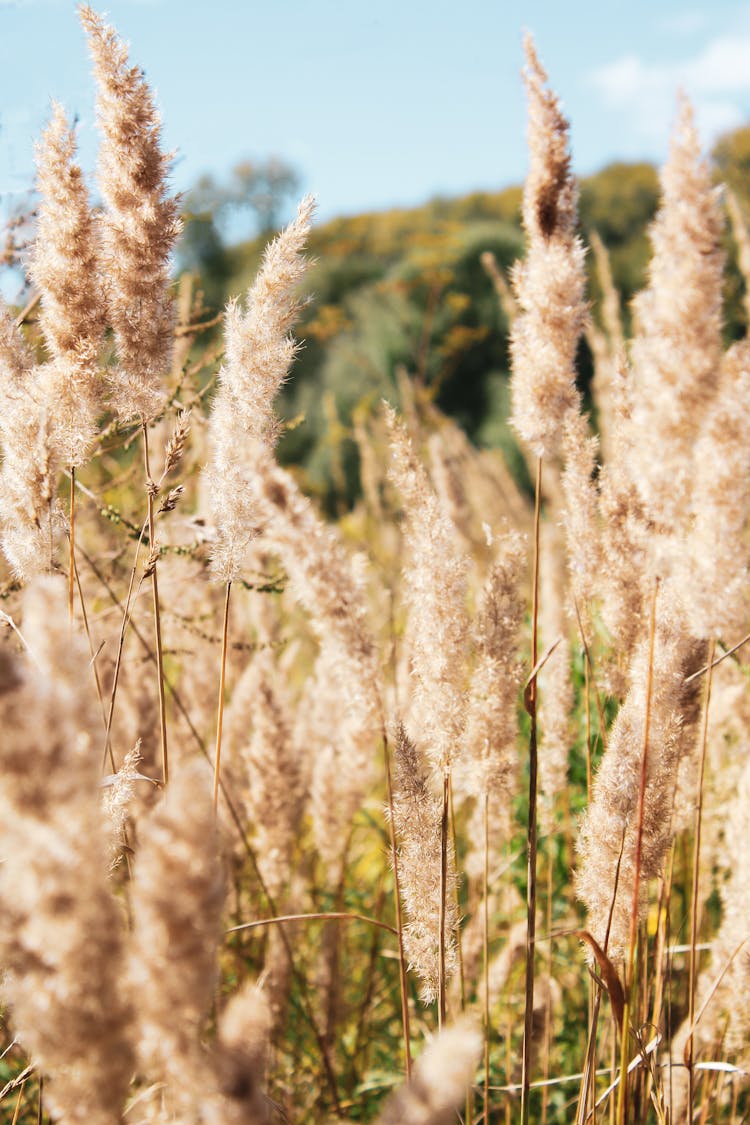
(464,838)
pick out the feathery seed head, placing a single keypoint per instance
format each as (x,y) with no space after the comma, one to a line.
(550,283)
(65,257)
(259,353)
(438,1085)
(677,348)
(139,224)
(435,594)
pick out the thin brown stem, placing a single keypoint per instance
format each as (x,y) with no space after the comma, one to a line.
(220,705)
(120,648)
(322,916)
(442,926)
(17,1109)
(157,611)
(457,903)
(403,984)
(486,955)
(72,545)
(630,965)
(548,1006)
(695,889)
(531,837)
(94,655)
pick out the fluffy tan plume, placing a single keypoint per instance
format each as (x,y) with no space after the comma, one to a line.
(139,223)
(65,269)
(59,924)
(549,285)
(438,1085)
(259,353)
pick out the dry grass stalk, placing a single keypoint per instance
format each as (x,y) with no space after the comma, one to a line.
(677,347)
(259,354)
(439,1082)
(139,224)
(177,900)
(29,511)
(273,781)
(418,820)
(492,721)
(61,943)
(65,267)
(549,284)
(608,838)
(628,526)
(330,584)
(435,593)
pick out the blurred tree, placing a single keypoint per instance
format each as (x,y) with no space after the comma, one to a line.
(731,155)
(202,249)
(619,203)
(264,188)
(261,188)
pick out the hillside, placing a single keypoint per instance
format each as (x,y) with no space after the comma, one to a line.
(405,290)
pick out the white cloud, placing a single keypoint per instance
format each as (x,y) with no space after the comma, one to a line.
(716,78)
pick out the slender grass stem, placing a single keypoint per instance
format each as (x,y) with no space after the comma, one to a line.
(531,837)
(548,1006)
(120,648)
(630,964)
(157,611)
(457,902)
(695,897)
(486,955)
(72,545)
(403,984)
(17,1108)
(442,925)
(321,916)
(220,705)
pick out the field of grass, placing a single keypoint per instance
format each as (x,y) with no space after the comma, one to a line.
(431,812)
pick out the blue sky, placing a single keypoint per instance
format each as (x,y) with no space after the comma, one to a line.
(381,102)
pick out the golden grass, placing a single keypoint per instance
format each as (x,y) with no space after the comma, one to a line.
(376,844)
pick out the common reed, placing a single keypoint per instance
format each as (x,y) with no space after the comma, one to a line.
(369,868)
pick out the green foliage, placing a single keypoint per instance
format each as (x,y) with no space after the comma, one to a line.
(405,289)
(431,311)
(260,188)
(731,155)
(619,203)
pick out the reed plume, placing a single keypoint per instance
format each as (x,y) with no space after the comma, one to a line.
(65,266)
(330,585)
(241,1055)
(435,592)
(29,514)
(549,285)
(273,782)
(556,696)
(139,224)
(492,723)
(677,346)
(259,352)
(608,844)
(438,1085)
(177,899)
(418,815)
(713,580)
(60,925)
